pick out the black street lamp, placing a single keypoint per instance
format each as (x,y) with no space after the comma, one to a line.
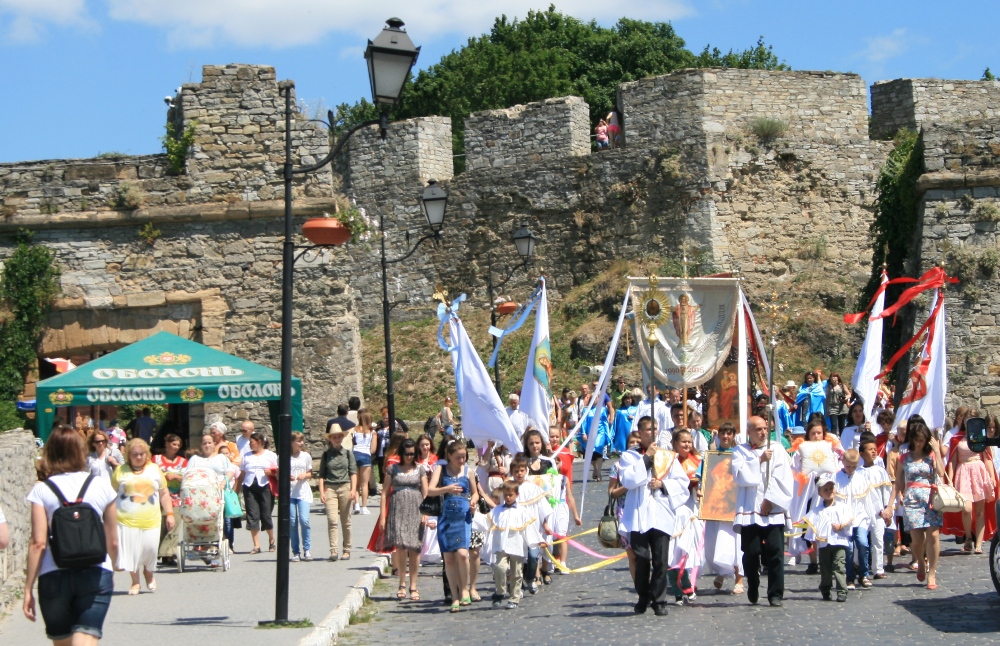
(525,242)
(387,55)
(435,202)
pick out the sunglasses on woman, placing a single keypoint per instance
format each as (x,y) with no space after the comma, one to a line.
(409,454)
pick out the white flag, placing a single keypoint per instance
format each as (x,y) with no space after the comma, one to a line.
(483,415)
(928,385)
(870,360)
(536,391)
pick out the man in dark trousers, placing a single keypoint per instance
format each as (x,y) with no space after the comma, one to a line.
(763,474)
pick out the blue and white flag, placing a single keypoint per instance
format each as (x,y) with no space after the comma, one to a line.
(536,391)
(483,414)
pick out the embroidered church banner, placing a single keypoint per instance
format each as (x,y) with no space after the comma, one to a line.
(692,321)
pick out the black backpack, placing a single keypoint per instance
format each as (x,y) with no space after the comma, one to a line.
(76,533)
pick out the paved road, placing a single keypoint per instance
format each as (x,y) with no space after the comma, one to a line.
(597,607)
(203,606)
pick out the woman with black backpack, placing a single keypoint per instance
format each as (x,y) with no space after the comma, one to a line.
(74,541)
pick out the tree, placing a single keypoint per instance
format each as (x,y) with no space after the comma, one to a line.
(988,75)
(545,55)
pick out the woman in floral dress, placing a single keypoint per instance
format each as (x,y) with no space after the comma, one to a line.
(916,473)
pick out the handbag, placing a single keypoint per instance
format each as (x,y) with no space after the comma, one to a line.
(233,508)
(945,498)
(431,506)
(607,529)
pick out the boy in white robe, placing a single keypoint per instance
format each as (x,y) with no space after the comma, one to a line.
(878,504)
(513,533)
(829,528)
(852,489)
(532,498)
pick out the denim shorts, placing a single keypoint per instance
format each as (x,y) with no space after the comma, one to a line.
(363,459)
(75,601)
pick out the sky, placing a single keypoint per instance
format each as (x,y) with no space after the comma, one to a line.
(82,77)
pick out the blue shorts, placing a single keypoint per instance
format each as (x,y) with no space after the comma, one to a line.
(75,601)
(363,459)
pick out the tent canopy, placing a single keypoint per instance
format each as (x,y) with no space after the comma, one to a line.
(164,369)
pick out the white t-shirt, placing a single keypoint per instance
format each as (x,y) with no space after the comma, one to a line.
(254,466)
(300,488)
(243,445)
(363,442)
(99,495)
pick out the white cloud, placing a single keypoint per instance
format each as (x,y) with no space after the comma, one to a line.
(882,48)
(23,21)
(268,23)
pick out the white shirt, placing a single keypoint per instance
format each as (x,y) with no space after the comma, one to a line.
(532,500)
(821,521)
(851,438)
(663,421)
(243,445)
(852,490)
(254,466)
(644,509)
(363,442)
(99,495)
(100,467)
(755,487)
(512,530)
(303,463)
(879,491)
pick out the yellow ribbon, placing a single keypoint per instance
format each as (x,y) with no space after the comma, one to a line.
(567,538)
(587,568)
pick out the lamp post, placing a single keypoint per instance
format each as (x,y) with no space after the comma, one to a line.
(435,202)
(390,57)
(524,241)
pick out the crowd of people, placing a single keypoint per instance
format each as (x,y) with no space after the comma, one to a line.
(832,488)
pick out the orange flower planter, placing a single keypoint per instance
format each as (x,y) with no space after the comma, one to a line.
(325,231)
(508,307)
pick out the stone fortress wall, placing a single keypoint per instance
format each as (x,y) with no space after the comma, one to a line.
(913,103)
(692,173)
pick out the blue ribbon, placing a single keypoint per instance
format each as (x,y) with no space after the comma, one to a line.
(444,312)
(516,321)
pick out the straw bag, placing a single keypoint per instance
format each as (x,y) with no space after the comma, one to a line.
(945,498)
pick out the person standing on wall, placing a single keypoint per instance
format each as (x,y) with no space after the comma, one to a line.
(764,478)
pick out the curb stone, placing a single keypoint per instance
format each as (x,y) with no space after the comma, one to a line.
(325,634)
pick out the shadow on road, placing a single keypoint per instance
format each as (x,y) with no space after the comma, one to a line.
(967,613)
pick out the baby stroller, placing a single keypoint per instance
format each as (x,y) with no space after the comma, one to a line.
(202,517)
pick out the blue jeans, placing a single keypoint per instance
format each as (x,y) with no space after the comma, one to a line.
(300,516)
(531,565)
(75,601)
(229,533)
(859,541)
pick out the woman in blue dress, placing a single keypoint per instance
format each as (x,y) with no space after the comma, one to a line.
(456,484)
(811,399)
(623,423)
(916,473)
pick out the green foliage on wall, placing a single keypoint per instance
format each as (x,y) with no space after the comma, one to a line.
(176,146)
(892,230)
(29,284)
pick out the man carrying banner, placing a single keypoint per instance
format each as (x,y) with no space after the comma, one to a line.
(764,477)
(657,486)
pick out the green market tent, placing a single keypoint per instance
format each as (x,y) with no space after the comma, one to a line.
(164,369)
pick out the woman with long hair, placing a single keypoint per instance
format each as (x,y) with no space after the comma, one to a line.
(543,471)
(142,493)
(837,397)
(401,521)
(916,473)
(850,435)
(974,475)
(810,399)
(456,483)
(74,601)
(173,464)
(365,446)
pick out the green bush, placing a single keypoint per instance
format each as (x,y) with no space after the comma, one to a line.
(767,129)
(176,146)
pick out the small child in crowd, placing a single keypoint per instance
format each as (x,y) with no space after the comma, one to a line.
(852,488)
(531,498)
(829,527)
(513,533)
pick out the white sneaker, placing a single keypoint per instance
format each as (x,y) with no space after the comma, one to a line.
(295,558)
(357,508)
(791,561)
(307,556)
(365,511)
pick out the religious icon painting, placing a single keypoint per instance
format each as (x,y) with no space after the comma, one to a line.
(718,488)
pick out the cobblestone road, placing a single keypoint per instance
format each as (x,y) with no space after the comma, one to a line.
(597,607)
